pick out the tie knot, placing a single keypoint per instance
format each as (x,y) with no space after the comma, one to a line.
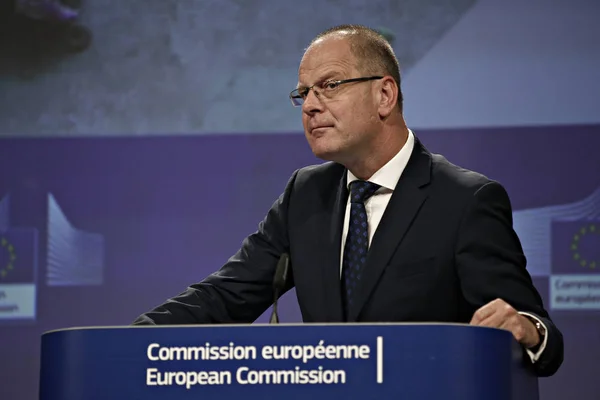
(362,190)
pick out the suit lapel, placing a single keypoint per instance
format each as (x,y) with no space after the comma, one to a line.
(404,205)
(333,220)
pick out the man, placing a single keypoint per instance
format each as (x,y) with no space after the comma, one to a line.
(384,231)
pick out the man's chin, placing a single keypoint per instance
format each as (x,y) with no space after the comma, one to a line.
(326,153)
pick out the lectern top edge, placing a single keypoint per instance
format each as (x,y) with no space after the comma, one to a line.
(258,325)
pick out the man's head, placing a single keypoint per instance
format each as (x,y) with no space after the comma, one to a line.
(347,121)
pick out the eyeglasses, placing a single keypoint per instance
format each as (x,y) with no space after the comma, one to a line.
(327,88)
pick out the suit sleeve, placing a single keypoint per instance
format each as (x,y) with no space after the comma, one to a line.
(491,264)
(241,290)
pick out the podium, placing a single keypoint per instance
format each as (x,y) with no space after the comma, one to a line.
(289,361)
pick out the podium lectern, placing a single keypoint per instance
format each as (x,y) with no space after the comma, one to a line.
(304,361)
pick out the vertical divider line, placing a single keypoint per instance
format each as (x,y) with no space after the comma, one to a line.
(379,359)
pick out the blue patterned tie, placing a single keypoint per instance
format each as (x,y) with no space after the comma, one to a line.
(357,240)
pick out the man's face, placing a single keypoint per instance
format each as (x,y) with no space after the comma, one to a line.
(339,124)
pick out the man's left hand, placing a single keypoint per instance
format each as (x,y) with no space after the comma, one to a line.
(500,314)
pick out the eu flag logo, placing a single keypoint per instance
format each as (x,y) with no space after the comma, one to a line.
(576,247)
(18,255)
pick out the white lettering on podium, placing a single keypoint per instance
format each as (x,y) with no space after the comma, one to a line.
(245,375)
(306,353)
(188,379)
(207,352)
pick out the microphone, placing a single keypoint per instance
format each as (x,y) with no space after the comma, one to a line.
(279,282)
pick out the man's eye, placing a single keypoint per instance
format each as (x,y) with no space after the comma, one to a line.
(330,85)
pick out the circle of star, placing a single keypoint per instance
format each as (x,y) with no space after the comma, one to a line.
(591,229)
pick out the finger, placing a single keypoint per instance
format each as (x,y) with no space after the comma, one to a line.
(494,320)
(481,314)
(497,306)
(485,312)
(503,316)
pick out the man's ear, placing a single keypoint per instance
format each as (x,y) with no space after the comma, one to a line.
(388,96)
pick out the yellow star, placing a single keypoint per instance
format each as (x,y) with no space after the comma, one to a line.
(576,238)
(592,228)
(576,256)
(11,248)
(4,242)
(593,264)
(573,247)
(10,266)
(3,273)
(583,231)
(583,263)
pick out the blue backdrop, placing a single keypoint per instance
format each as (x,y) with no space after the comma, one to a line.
(122,224)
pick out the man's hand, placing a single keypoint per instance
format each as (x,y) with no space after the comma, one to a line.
(500,314)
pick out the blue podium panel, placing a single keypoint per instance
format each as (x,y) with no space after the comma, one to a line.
(349,361)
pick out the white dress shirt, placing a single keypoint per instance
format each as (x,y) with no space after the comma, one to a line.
(387,177)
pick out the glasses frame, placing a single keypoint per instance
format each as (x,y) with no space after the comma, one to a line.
(295,94)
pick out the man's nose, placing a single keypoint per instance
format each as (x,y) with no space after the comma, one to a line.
(312,103)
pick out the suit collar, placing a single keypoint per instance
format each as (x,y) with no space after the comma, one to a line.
(333,220)
(405,203)
(418,168)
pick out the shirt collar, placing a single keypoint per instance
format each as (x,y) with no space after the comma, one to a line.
(388,175)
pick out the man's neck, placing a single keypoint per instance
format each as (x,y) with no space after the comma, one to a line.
(384,151)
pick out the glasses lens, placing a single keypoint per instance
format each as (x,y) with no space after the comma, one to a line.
(296,98)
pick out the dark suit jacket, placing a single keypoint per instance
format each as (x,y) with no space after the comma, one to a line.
(444,247)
